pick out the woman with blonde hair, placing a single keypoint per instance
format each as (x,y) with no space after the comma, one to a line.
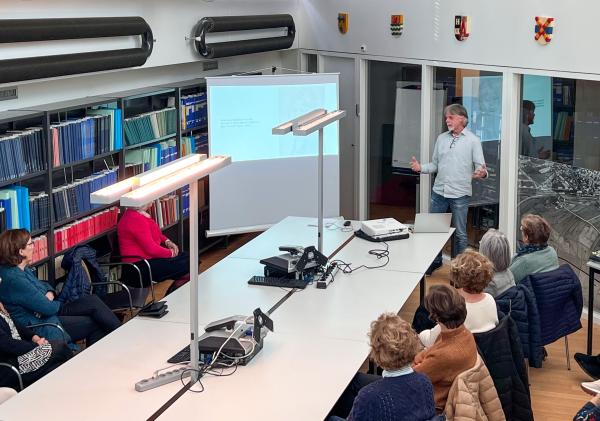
(400,394)
(471,273)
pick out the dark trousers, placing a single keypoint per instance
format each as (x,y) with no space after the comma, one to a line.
(344,404)
(88,318)
(60,353)
(421,320)
(162,269)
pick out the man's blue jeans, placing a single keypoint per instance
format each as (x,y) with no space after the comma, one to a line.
(459,208)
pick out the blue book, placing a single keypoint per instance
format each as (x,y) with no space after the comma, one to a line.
(5,203)
(118,129)
(23,206)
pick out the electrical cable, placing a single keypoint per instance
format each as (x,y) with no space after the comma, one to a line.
(379,253)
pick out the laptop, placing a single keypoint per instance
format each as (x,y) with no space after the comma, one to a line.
(432,222)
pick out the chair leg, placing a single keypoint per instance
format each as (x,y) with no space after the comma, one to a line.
(567,351)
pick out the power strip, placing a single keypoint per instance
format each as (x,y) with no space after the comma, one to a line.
(162,378)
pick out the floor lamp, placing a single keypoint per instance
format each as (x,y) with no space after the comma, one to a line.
(303,126)
(141,189)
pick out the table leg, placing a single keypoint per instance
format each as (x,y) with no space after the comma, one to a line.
(422,290)
(592,272)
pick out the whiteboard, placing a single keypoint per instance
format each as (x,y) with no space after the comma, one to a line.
(407,122)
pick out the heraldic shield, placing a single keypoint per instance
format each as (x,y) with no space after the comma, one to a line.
(461,27)
(544,28)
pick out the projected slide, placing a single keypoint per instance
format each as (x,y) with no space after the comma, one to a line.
(538,89)
(271,176)
(241,119)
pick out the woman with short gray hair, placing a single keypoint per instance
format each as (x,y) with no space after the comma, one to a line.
(494,245)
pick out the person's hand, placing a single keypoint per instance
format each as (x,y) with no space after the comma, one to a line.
(414,165)
(543,153)
(50,295)
(38,340)
(480,172)
(418,359)
(173,247)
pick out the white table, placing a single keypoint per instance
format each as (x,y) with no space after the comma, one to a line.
(347,307)
(297,231)
(223,291)
(98,384)
(319,341)
(295,377)
(413,254)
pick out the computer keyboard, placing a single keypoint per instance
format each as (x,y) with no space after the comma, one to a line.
(270,281)
(181,356)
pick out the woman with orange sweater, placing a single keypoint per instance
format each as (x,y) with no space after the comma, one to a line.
(140,237)
(454,351)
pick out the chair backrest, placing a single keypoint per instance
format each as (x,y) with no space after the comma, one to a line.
(559,299)
(113,242)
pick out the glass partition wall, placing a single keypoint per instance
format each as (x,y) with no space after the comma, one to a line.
(394,136)
(480,92)
(559,162)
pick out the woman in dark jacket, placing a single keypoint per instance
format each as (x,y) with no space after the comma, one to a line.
(31,301)
(32,355)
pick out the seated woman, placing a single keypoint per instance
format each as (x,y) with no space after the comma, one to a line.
(454,351)
(141,237)
(31,301)
(471,272)
(401,394)
(32,355)
(494,245)
(535,255)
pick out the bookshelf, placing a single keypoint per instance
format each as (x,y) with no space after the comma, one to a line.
(563,119)
(102,146)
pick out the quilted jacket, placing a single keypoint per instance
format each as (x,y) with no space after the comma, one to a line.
(559,301)
(519,302)
(500,349)
(77,284)
(473,396)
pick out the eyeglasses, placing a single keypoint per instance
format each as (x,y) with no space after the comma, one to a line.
(453,143)
(29,244)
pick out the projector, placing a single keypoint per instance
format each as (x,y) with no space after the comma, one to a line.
(381,228)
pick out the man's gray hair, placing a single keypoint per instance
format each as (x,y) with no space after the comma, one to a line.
(494,245)
(457,109)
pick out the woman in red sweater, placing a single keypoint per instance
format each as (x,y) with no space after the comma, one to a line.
(140,237)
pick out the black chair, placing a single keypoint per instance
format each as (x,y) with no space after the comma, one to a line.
(123,298)
(133,270)
(14,370)
(54,325)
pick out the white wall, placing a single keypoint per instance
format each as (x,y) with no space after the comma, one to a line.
(172,59)
(501,31)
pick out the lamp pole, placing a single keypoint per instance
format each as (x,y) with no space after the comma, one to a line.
(194,357)
(320,204)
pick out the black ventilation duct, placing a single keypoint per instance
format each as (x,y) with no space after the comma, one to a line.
(243,23)
(32,30)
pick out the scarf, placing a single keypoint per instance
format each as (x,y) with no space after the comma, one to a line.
(530,248)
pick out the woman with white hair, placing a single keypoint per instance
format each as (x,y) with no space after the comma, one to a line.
(494,245)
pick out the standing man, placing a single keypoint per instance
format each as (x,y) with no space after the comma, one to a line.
(531,146)
(457,158)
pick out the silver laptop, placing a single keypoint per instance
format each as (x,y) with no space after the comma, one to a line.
(432,222)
